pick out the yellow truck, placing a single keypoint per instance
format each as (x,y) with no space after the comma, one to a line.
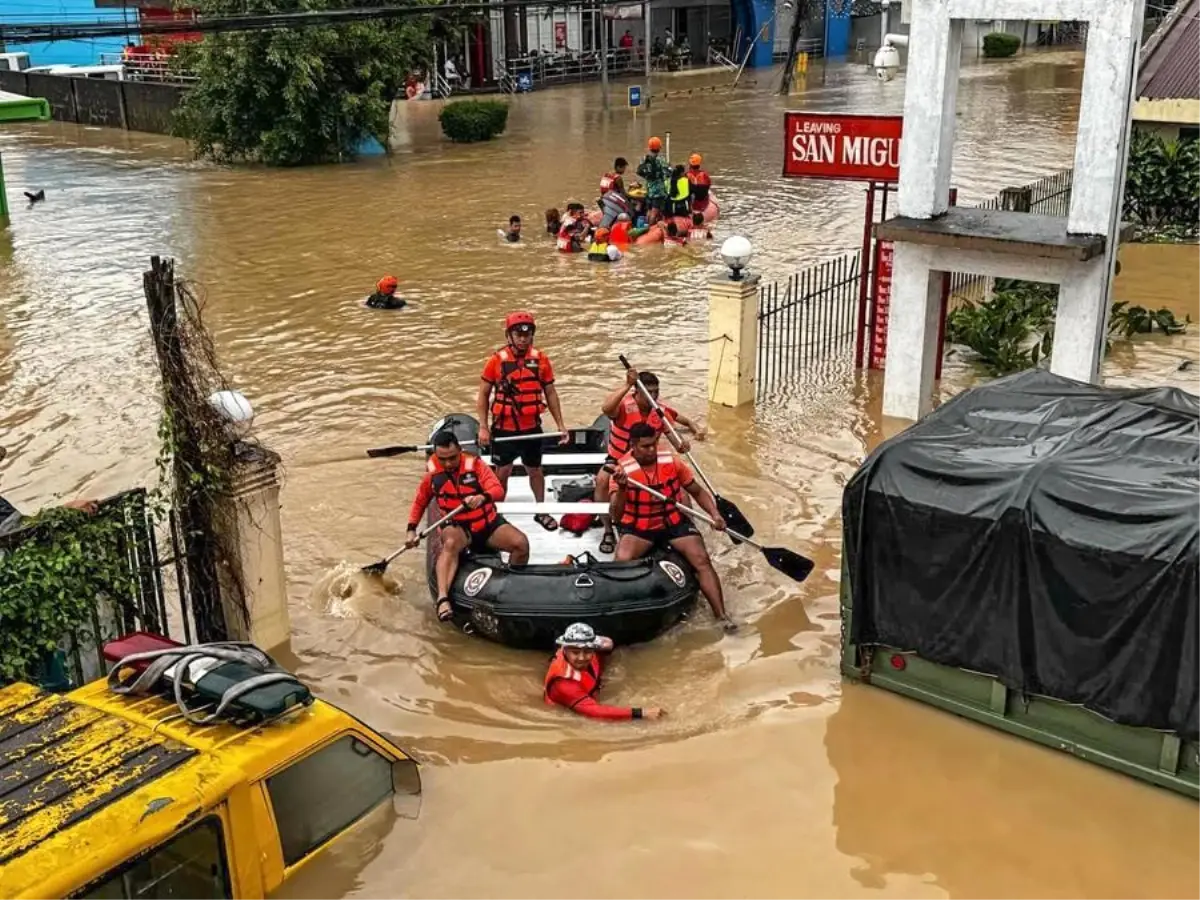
(110,795)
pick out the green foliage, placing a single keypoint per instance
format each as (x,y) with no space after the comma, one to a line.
(1014,329)
(999,44)
(51,581)
(1162,187)
(294,97)
(468,121)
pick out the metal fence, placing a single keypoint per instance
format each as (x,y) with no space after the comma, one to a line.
(147,601)
(811,318)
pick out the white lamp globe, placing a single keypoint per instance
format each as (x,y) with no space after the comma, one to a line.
(736,252)
(235,409)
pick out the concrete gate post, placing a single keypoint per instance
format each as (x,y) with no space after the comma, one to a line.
(253,515)
(912,317)
(732,340)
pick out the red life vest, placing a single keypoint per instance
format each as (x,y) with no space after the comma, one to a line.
(619,234)
(452,488)
(642,511)
(628,416)
(561,670)
(698,177)
(518,399)
(608,182)
(565,235)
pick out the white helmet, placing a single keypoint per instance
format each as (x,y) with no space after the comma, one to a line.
(581,635)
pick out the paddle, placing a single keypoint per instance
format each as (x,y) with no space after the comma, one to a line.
(727,508)
(377,452)
(378,568)
(790,563)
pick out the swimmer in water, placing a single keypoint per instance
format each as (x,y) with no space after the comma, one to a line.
(513,234)
(385,295)
(574,677)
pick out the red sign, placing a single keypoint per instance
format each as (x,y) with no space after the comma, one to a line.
(842,146)
(560,35)
(883,300)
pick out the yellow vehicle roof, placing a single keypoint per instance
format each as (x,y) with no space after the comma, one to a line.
(89,779)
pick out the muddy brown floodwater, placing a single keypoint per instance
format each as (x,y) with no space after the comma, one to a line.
(770,777)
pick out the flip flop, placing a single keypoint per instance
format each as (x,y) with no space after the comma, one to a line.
(608,543)
(547,521)
(444,614)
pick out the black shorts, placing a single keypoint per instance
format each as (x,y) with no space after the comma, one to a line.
(506,454)
(664,536)
(479,539)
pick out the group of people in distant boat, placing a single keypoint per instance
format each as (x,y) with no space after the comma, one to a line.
(516,386)
(672,205)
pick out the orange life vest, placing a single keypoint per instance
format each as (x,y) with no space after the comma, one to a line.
(642,511)
(451,488)
(561,670)
(518,400)
(630,415)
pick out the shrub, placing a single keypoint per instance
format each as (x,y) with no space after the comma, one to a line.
(999,44)
(1162,187)
(468,121)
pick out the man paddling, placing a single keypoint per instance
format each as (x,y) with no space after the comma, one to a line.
(625,407)
(453,478)
(647,522)
(517,385)
(575,673)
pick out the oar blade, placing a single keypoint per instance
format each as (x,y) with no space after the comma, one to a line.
(378,452)
(376,568)
(790,563)
(734,518)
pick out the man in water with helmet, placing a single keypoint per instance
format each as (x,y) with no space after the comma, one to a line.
(516,386)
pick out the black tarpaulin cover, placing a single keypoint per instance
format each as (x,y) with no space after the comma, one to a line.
(1046,532)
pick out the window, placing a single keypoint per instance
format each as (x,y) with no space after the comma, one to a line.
(325,792)
(190,865)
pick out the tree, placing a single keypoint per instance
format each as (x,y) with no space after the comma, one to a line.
(295,96)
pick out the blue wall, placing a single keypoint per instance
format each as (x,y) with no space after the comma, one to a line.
(750,16)
(80,53)
(837,27)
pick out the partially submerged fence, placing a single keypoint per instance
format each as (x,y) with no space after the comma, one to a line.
(811,318)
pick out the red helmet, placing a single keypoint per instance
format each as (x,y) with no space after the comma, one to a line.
(520,317)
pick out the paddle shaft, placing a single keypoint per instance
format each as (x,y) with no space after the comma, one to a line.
(421,535)
(671,428)
(397,450)
(694,513)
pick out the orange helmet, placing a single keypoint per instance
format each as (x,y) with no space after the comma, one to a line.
(655,143)
(387,284)
(601,233)
(695,159)
(520,317)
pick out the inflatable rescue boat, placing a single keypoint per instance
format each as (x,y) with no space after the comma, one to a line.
(567,578)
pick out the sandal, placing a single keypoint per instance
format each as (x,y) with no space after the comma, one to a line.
(445,609)
(608,543)
(547,521)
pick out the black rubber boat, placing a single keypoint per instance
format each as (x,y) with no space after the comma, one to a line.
(529,606)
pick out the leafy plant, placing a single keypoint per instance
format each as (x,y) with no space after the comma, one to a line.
(1130,320)
(468,121)
(1000,44)
(290,97)
(53,574)
(1162,187)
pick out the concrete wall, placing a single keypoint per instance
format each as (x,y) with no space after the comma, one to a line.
(866,29)
(82,53)
(137,106)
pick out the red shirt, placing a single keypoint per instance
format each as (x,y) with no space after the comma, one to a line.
(487,481)
(574,696)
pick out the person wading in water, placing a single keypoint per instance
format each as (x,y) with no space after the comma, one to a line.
(647,522)
(575,673)
(517,385)
(452,478)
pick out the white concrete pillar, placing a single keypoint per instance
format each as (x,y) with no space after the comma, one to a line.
(1081,321)
(252,514)
(733,340)
(926,151)
(912,346)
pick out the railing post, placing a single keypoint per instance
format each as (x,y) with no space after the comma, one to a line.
(252,513)
(1016,199)
(733,340)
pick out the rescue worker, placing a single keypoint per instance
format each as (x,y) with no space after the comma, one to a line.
(601,250)
(615,180)
(700,183)
(619,236)
(573,230)
(647,522)
(576,672)
(385,295)
(517,385)
(656,172)
(680,193)
(451,478)
(625,407)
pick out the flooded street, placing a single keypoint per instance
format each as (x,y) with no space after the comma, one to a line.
(769,777)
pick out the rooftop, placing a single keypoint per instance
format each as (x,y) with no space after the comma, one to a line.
(1170,63)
